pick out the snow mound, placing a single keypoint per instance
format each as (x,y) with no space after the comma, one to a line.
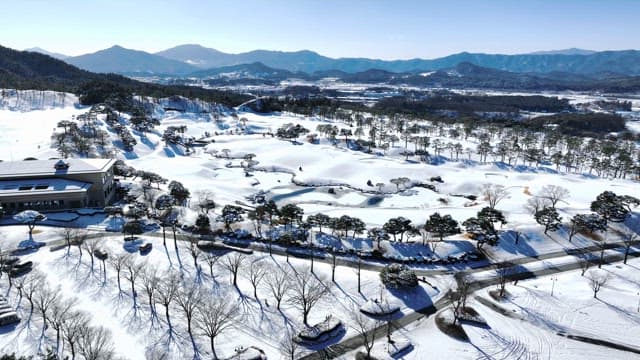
(250,353)
(374,307)
(321,331)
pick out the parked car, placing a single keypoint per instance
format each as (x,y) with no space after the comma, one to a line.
(101,254)
(20,269)
(144,249)
(9,318)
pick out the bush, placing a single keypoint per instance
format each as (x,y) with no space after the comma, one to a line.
(203,224)
(398,276)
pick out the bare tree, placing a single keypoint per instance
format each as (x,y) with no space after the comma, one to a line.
(34,281)
(234,263)
(334,261)
(195,253)
(602,245)
(278,282)
(44,300)
(150,282)
(59,312)
(629,238)
(553,194)
(584,263)
(358,271)
(306,291)
(133,270)
(365,328)
(215,316)
(458,298)
(535,204)
(188,299)
(95,343)
(72,328)
(166,294)
(504,272)
(90,245)
(118,262)
(493,194)
(255,275)
(78,240)
(69,235)
(211,259)
(289,348)
(597,278)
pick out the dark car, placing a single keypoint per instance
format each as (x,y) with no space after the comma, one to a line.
(144,249)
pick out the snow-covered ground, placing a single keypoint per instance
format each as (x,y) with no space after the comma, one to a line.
(284,172)
(259,324)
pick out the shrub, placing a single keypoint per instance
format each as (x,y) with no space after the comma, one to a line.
(398,276)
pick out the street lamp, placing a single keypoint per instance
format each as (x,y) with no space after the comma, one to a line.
(553,283)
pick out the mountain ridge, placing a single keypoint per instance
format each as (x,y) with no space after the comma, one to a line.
(188,58)
(54,55)
(573,60)
(120,60)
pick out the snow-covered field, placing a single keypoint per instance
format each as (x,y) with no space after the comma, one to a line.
(284,172)
(535,318)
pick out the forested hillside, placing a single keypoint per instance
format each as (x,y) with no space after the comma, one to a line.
(29,70)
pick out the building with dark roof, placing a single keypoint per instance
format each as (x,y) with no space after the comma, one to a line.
(56,184)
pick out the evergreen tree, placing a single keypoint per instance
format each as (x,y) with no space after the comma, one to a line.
(441,225)
(549,218)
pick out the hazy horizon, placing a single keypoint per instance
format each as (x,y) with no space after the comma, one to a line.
(382,29)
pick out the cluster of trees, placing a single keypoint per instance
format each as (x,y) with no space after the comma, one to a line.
(470,104)
(291,131)
(589,124)
(60,315)
(614,156)
(306,106)
(170,135)
(202,312)
(142,121)
(82,136)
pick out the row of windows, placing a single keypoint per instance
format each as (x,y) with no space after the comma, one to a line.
(45,204)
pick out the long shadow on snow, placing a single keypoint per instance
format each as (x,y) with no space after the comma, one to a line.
(508,243)
(416,299)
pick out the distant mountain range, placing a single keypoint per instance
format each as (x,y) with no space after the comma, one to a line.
(123,61)
(570,60)
(33,70)
(45,52)
(463,75)
(184,60)
(572,51)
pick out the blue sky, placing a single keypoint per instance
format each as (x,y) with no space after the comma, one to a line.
(350,28)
